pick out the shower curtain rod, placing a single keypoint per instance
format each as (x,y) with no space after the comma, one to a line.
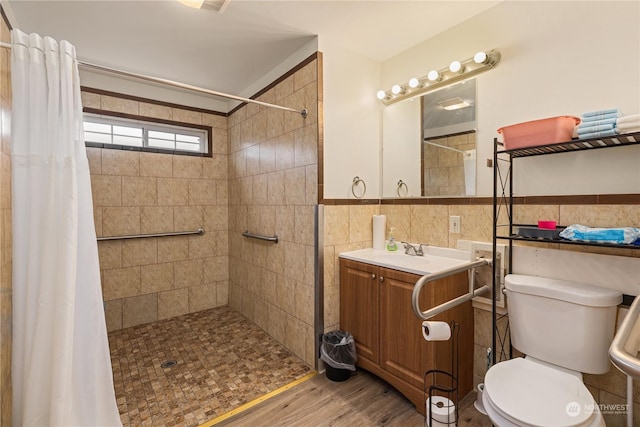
(443,146)
(110,70)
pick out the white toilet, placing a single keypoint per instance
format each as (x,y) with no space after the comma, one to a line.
(564,328)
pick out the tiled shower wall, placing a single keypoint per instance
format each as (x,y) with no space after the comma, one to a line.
(350,227)
(144,280)
(443,169)
(5,229)
(273,170)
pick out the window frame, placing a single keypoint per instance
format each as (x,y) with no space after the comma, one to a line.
(154,124)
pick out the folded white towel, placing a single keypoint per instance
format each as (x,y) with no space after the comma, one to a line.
(629,130)
(627,119)
(629,125)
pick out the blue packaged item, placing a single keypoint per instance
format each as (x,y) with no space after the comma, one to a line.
(624,235)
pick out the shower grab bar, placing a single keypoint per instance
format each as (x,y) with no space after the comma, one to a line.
(472,265)
(199,232)
(273,238)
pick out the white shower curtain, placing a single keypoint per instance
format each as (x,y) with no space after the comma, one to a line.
(61,369)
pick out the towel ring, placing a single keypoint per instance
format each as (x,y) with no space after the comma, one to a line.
(401,184)
(356,181)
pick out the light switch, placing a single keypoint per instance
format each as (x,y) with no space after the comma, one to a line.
(454,224)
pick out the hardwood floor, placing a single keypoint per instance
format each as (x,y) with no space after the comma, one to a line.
(363,400)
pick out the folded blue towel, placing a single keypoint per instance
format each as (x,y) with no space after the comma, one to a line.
(601,112)
(601,117)
(586,123)
(596,128)
(602,134)
(624,235)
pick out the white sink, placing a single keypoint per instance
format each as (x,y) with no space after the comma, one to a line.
(434,260)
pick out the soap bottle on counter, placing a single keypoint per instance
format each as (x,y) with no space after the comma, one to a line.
(391,245)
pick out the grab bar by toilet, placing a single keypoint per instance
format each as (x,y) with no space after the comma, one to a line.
(472,265)
(622,352)
(273,238)
(199,232)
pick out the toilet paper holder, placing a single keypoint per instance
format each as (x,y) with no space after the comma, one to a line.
(441,389)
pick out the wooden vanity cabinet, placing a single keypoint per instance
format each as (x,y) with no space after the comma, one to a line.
(360,298)
(375,307)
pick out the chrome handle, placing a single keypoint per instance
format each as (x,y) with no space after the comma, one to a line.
(273,239)
(199,232)
(417,288)
(373,276)
(381,279)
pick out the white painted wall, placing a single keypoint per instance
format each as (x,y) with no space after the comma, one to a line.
(401,148)
(352,121)
(558,58)
(612,272)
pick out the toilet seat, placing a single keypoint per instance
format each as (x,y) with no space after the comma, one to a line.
(524,392)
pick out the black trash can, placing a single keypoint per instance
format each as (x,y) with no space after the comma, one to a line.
(338,351)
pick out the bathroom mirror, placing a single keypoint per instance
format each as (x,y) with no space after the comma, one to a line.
(429,144)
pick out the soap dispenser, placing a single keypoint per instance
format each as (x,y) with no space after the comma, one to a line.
(392,246)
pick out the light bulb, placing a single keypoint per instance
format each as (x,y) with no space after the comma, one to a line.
(396,89)
(433,75)
(480,58)
(197,4)
(381,95)
(455,67)
(414,83)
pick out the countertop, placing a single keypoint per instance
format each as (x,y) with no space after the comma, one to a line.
(434,260)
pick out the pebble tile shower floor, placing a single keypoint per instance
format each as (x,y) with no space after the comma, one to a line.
(223,361)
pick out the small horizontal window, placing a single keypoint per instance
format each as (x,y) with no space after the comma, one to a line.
(115,131)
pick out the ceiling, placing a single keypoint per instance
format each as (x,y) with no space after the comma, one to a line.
(228,52)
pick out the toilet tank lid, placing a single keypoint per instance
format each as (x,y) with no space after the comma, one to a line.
(565,290)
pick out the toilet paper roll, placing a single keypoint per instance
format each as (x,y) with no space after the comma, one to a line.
(379,227)
(436,331)
(441,410)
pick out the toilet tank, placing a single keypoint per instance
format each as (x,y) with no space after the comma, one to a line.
(565,323)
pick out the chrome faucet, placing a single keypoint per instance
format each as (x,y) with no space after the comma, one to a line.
(417,250)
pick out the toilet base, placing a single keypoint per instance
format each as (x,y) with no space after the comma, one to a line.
(478,404)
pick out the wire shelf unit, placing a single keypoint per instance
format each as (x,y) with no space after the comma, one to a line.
(503,203)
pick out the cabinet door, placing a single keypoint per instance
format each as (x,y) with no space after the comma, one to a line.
(359,305)
(404,352)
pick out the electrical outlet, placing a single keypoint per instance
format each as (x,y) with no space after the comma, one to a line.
(454,224)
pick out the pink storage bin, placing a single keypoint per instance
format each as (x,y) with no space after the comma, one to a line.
(539,132)
(547,225)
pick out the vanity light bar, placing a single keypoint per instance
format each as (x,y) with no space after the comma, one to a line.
(436,79)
